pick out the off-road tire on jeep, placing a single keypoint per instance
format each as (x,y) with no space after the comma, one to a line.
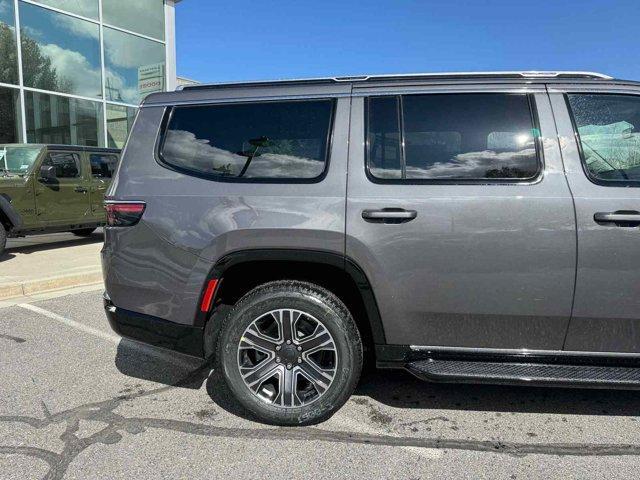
(322,344)
(83,232)
(3,239)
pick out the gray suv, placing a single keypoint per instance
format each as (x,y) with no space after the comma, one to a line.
(464,227)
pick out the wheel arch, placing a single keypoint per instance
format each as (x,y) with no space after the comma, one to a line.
(333,271)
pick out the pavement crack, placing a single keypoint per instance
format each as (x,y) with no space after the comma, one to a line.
(12,338)
(116,424)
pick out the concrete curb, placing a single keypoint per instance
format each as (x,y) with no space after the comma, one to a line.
(33,287)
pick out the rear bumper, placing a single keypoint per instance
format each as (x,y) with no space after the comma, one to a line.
(155,331)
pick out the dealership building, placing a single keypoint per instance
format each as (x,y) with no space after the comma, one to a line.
(74,71)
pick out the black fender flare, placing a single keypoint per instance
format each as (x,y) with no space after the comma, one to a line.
(350,267)
(9,211)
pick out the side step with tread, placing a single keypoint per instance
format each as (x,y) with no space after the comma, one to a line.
(463,371)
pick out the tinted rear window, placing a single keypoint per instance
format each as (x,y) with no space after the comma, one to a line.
(452,137)
(271,140)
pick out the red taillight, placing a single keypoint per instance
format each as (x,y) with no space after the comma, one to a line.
(124,214)
(207,298)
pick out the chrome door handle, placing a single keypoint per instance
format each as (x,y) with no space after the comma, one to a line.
(389,215)
(626,218)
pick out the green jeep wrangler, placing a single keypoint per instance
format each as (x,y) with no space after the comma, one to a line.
(53,188)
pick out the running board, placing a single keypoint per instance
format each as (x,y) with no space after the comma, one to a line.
(586,376)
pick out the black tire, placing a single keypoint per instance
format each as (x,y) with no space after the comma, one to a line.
(84,232)
(330,312)
(3,239)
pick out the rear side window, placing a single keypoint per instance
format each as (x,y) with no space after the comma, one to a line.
(453,137)
(67,165)
(271,140)
(608,129)
(103,166)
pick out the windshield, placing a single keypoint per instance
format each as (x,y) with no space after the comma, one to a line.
(18,160)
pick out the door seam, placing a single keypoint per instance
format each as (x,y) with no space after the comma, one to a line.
(575,217)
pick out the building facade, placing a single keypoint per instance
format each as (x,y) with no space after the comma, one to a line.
(74,71)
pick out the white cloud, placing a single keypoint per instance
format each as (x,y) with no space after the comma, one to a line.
(475,164)
(141,16)
(79,7)
(116,83)
(191,152)
(74,67)
(467,165)
(80,28)
(30,32)
(126,51)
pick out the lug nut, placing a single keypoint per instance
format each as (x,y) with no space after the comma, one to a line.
(299,348)
(299,360)
(277,359)
(289,366)
(278,347)
(288,342)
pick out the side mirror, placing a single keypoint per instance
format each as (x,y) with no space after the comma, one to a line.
(48,173)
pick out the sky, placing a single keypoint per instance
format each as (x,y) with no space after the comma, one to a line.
(232,40)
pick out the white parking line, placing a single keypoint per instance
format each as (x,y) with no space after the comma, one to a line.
(72,323)
(175,358)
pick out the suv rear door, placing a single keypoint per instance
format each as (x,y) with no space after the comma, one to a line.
(599,128)
(64,200)
(489,259)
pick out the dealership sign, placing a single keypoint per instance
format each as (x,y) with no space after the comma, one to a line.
(151,78)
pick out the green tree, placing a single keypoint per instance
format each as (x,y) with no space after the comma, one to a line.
(8,55)
(8,124)
(37,70)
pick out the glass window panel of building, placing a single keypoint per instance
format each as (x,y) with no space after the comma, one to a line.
(9,115)
(57,119)
(119,122)
(8,46)
(59,52)
(86,8)
(127,14)
(134,66)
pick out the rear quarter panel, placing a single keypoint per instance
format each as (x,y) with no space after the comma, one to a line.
(159,266)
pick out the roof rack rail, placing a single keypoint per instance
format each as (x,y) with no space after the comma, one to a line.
(443,75)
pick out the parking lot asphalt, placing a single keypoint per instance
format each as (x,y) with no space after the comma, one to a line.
(78,402)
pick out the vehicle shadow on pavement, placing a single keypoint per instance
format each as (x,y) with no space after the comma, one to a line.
(400,389)
(147,363)
(41,247)
(6,256)
(155,365)
(394,388)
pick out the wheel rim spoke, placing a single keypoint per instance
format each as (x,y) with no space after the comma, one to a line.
(287,321)
(257,374)
(252,338)
(287,358)
(320,379)
(321,340)
(288,395)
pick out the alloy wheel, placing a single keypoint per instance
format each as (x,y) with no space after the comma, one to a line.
(287,358)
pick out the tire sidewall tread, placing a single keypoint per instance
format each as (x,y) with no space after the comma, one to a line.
(320,303)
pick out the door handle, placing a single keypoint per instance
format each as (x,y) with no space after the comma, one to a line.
(620,218)
(80,189)
(389,215)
